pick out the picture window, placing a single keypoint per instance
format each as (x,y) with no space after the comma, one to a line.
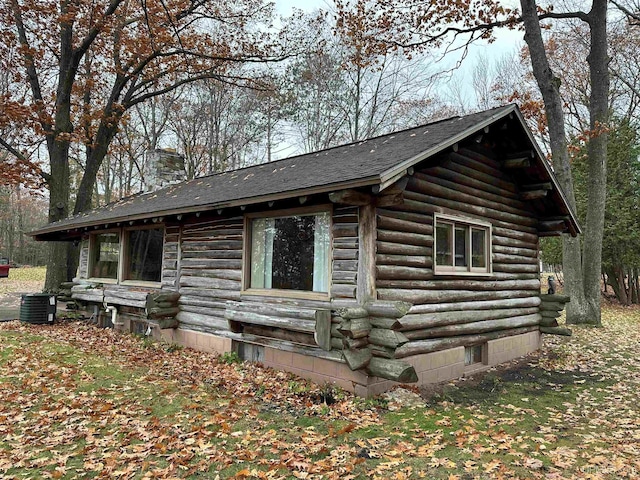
(133,254)
(143,255)
(105,252)
(290,252)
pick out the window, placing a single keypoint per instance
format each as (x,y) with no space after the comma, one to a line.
(289,252)
(461,246)
(143,255)
(473,355)
(105,251)
(139,260)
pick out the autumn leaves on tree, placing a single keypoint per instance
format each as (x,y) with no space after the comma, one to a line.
(76,67)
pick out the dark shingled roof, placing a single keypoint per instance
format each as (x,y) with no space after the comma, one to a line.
(368,162)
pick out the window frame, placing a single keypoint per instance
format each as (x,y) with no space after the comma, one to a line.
(123,255)
(125,264)
(91,261)
(470,352)
(470,223)
(246,288)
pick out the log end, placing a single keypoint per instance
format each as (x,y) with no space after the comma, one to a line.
(555,297)
(548,322)
(357,359)
(557,331)
(387,338)
(349,313)
(395,370)
(322,333)
(393,309)
(408,376)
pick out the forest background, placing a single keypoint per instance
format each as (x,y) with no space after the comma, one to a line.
(232,86)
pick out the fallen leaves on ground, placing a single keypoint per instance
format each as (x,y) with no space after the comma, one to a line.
(77,401)
(24,279)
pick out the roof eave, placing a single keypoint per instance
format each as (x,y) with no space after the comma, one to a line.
(552,176)
(364,182)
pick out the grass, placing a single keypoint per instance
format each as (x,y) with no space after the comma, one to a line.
(31,274)
(23,280)
(81,402)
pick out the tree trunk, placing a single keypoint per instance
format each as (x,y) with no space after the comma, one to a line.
(58,143)
(582,273)
(73,259)
(597,150)
(615,278)
(57,264)
(19,208)
(577,309)
(103,139)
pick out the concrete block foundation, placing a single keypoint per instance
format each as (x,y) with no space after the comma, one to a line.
(432,367)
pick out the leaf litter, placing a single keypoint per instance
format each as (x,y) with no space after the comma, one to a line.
(77,401)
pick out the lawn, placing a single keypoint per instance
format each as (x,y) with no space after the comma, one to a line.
(80,402)
(24,279)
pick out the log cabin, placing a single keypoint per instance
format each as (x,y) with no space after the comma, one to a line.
(409,257)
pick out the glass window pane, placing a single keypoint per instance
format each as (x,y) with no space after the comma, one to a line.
(104,257)
(144,254)
(291,253)
(473,354)
(462,234)
(260,264)
(478,248)
(444,234)
(322,243)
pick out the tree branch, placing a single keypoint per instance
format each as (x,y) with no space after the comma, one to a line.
(457,31)
(136,100)
(565,16)
(32,73)
(16,153)
(626,11)
(22,158)
(94,32)
(511,22)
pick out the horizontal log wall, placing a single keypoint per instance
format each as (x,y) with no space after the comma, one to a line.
(127,296)
(209,278)
(469,309)
(170,258)
(152,306)
(87,292)
(209,271)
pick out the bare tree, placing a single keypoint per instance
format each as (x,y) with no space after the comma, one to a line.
(345,91)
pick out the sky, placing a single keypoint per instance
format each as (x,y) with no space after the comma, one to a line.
(507,41)
(285,6)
